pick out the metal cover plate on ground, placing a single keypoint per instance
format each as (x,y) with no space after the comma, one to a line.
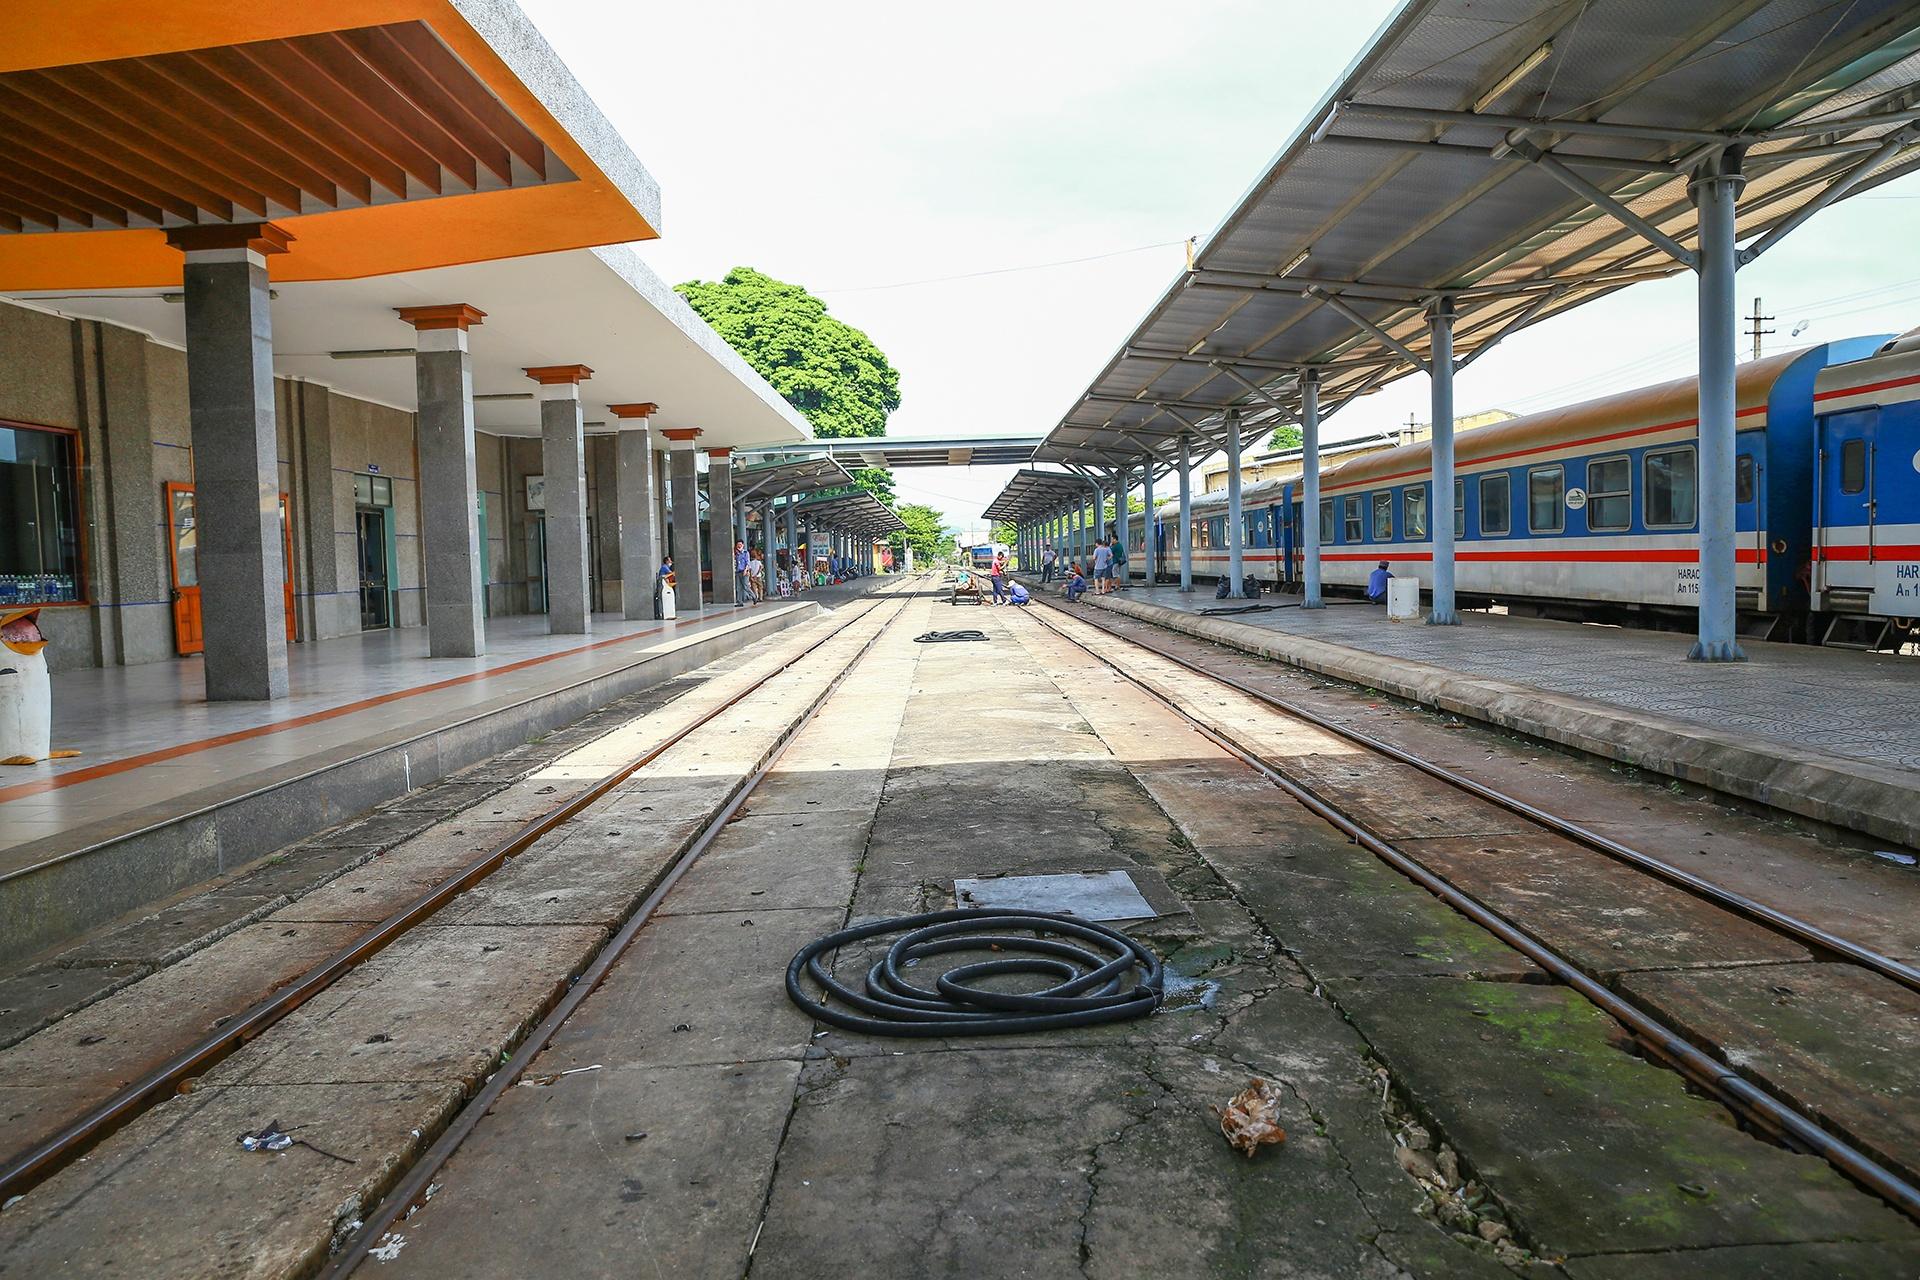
(1089,895)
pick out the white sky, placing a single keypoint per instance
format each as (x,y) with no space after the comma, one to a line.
(846,144)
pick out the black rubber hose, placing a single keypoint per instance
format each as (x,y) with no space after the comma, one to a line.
(1113,981)
(949,637)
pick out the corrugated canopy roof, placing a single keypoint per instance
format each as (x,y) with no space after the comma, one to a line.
(1031,494)
(854,512)
(1486,151)
(940,451)
(790,478)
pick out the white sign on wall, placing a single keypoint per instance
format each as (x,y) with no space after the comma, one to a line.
(536,493)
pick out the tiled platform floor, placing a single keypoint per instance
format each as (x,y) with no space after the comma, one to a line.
(1859,705)
(147,733)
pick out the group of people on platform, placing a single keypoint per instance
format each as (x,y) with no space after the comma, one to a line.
(1107,568)
(751,584)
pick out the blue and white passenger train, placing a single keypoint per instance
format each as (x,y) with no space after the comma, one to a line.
(1590,511)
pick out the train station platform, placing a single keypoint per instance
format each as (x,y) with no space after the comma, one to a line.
(1823,733)
(171,790)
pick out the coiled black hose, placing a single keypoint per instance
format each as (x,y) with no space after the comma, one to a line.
(950,637)
(1115,980)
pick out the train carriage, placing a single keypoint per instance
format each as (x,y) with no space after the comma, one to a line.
(1592,510)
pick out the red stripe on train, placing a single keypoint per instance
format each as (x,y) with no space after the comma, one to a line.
(1676,555)
(1893,551)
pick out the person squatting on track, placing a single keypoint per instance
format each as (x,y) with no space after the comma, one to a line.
(1076,583)
(1017,596)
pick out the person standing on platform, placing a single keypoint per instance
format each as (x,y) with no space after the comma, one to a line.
(998,576)
(742,592)
(1046,564)
(1102,567)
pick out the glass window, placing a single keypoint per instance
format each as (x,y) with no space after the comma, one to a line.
(1853,466)
(1354,530)
(1546,500)
(363,491)
(1496,505)
(1460,509)
(1743,478)
(1383,516)
(39,518)
(1610,493)
(1413,512)
(373,491)
(1326,521)
(1670,488)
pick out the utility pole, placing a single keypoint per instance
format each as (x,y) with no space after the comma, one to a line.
(1756,332)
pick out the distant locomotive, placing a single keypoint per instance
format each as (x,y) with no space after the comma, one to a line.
(1590,511)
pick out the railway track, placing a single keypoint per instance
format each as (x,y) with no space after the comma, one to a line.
(1781,1121)
(23,1170)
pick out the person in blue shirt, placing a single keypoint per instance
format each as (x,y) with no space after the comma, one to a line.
(1017,596)
(1377,584)
(1076,583)
(742,593)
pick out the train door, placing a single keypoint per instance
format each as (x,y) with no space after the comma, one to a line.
(1846,536)
(183,567)
(1750,532)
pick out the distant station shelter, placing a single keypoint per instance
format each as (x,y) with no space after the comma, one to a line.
(1472,173)
(320,321)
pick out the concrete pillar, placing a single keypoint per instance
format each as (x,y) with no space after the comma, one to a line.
(793,539)
(236,457)
(1715,188)
(720,524)
(1150,569)
(684,483)
(1186,514)
(1236,533)
(1440,519)
(455,580)
(633,483)
(563,455)
(1310,490)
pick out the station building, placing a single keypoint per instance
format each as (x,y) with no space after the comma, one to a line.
(324,321)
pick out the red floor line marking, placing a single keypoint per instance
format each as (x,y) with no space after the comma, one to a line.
(42,785)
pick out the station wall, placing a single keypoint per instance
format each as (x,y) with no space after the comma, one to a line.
(123,399)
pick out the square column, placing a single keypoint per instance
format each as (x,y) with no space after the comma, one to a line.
(563,454)
(449,488)
(683,483)
(236,457)
(633,483)
(720,524)
(793,542)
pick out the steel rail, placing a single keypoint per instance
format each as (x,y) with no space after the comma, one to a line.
(26,1169)
(412,1188)
(1767,1113)
(1740,904)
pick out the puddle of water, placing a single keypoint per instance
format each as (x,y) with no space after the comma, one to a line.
(1184,994)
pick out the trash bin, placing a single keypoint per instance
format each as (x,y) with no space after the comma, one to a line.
(1403,599)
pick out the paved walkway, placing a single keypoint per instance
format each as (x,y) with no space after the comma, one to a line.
(1864,706)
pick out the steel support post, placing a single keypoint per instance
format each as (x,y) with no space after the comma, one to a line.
(1148,552)
(1715,188)
(1236,568)
(1186,514)
(1310,490)
(1440,517)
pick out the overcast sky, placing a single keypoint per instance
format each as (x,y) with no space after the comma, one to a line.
(861,149)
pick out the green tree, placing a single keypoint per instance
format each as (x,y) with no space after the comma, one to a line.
(827,369)
(1286,436)
(925,533)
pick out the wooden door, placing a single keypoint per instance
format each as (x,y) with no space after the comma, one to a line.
(184,567)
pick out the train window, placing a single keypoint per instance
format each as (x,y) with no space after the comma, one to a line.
(1326,521)
(1546,500)
(1413,512)
(1219,526)
(1460,509)
(1743,478)
(1354,531)
(1610,493)
(1383,516)
(1496,505)
(1670,488)
(1853,466)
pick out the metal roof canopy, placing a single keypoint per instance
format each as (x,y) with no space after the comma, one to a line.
(856,512)
(789,479)
(906,451)
(1037,494)
(1484,165)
